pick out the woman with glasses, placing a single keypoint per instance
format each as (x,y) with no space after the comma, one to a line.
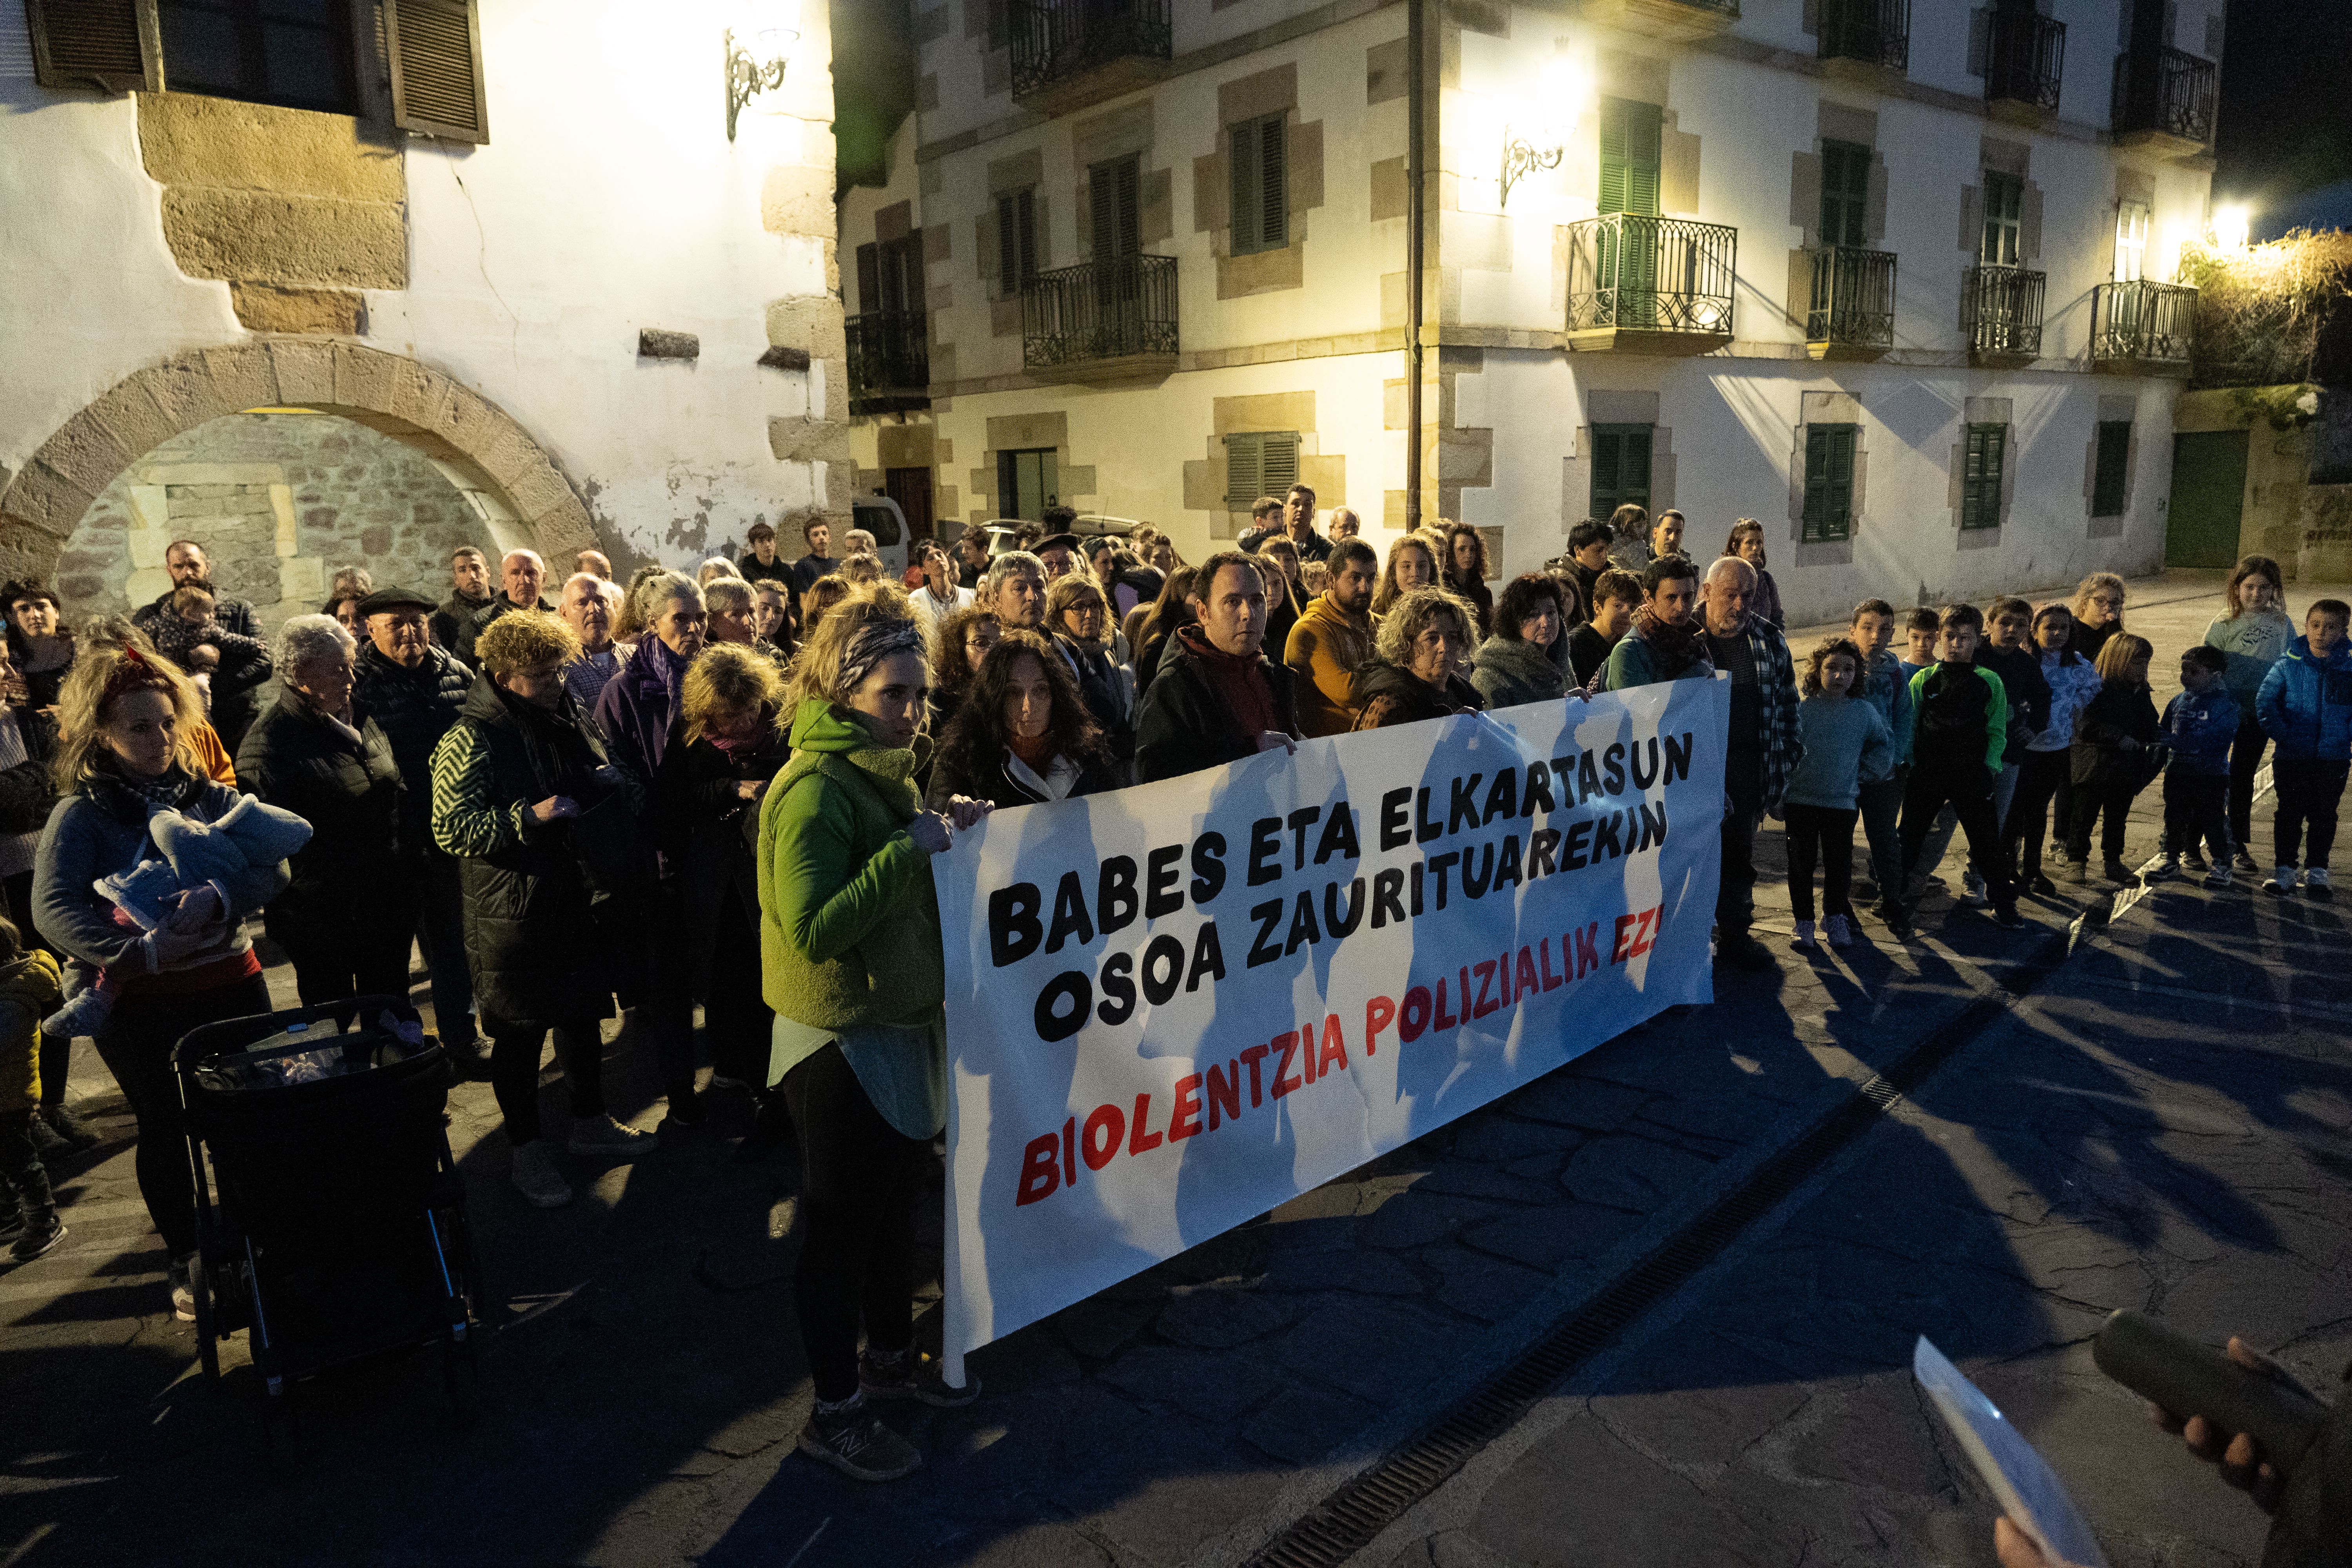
(1078,619)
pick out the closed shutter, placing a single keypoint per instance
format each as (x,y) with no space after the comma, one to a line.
(2112,468)
(1245,192)
(1631,139)
(109,45)
(1016,241)
(1278,462)
(1621,468)
(1828,483)
(869,278)
(1260,195)
(436,49)
(1114,190)
(1981,476)
(1259,463)
(1845,192)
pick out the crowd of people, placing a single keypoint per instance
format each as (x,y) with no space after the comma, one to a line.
(723,789)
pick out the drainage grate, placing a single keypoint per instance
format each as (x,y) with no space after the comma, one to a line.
(1350,1519)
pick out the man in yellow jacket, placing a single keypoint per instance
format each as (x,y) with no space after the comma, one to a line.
(1333,636)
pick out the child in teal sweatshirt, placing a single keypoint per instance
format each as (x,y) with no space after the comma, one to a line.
(1847,744)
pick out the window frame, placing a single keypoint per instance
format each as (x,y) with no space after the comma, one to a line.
(1008,480)
(251,32)
(1852,203)
(2003,230)
(1258,184)
(1605,500)
(2131,241)
(1984,461)
(1247,452)
(1828,510)
(2111,468)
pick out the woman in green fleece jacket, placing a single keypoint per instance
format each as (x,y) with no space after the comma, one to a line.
(851,961)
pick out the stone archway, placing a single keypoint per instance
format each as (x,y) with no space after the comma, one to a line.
(523,499)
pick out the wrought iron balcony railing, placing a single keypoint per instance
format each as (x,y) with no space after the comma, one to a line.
(1122,309)
(889,360)
(2025,52)
(2170,92)
(1874,32)
(1853,301)
(2001,310)
(1055,40)
(2144,323)
(1650,274)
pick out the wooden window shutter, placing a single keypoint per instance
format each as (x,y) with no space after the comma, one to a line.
(869,278)
(1828,483)
(113,46)
(1113,191)
(1608,462)
(1246,207)
(1274,184)
(1634,480)
(1840,481)
(1244,470)
(1980,476)
(1131,205)
(1612,155)
(434,49)
(1278,462)
(1016,241)
(2112,470)
(1631,137)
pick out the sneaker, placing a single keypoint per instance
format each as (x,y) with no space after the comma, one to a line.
(720,1080)
(2194,859)
(2316,885)
(2283,880)
(599,1134)
(2166,866)
(855,1442)
(41,1235)
(2007,918)
(2075,870)
(68,1130)
(2042,885)
(911,1374)
(536,1177)
(1742,950)
(1803,941)
(2219,876)
(1972,888)
(2116,871)
(184,1296)
(2244,861)
(1839,930)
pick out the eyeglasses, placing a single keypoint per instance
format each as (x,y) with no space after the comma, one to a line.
(1086,606)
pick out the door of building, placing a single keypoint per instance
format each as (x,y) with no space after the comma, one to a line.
(2209,491)
(912,489)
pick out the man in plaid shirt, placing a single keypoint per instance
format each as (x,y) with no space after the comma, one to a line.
(1761,750)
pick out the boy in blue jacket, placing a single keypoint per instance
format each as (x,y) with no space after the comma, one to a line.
(2305,707)
(2199,727)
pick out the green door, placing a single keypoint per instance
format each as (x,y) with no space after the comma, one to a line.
(2209,491)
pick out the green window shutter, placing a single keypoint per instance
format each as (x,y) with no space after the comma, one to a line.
(2004,202)
(1245,202)
(1631,135)
(1274,183)
(1981,476)
(1621,468)
(1016,241)
(1608,462)
(111,45)
(1113,188)
(1244,469)
(2112,468)
(434,49)
(1845,192)
(1278,461)
(1828,483)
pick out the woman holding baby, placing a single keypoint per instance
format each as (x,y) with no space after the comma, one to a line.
(126,724)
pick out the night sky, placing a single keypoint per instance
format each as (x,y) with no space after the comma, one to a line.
(2285,143)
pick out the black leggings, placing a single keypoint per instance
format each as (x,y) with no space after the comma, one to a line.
(136,1042)
(2022,836)
(860,1181)
(2245,758)
(2113,796)
(56,1055)
(514,1070)
(734,1019)
(1827,833)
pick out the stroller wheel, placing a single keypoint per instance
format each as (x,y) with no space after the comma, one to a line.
(461,1376)
(281,1437)
(208,1335)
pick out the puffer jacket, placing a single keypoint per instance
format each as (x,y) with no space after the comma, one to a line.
(29,989)
(413,708)
(2305,705)
(1388,694)
(349,874)
(706,831)
(535,944)
(1510,671)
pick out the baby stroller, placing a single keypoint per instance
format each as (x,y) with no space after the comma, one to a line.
(332,1226)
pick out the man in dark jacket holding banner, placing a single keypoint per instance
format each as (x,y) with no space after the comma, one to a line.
(1216,698)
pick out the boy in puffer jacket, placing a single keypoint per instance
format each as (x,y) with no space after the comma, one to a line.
(28,989)
(2305,707)
(2197,729)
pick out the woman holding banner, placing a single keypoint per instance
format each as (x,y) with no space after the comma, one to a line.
(1025,734)
(851,961)
(1416,656)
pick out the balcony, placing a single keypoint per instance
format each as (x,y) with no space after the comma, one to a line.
(2164,101)
(2001,314)
(1864,38)
(1102,320)
(2143,327)
(1067,54)
(1650,285)
(1851,314)
(2025,54)
(889,362)
(1680,20)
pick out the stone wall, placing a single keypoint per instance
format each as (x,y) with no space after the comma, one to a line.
(280,502)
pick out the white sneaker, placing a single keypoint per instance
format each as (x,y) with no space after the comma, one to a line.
(2316,886)
(1972,888)
(1839,930)
(2166,865)
(2283,880)
(2219,876)
(1804,937)
(536,1177)
(599,1134)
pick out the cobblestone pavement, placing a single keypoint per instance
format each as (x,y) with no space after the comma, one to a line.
(645,1384)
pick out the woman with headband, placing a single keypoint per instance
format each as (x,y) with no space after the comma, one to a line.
(851,961)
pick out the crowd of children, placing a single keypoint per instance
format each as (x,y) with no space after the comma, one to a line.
(1994,721)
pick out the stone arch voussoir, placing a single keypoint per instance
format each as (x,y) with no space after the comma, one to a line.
(522,497)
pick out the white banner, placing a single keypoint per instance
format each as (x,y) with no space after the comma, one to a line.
(1174,1007)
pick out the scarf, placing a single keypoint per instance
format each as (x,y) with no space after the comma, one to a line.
(560,754)
(1236,679)
(1673,648)
(737,749)
(668,663)
(1038,752)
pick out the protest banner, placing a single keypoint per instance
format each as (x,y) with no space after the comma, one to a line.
(1171,1008)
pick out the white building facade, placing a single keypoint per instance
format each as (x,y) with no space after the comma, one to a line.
(607,318)
(1889,278)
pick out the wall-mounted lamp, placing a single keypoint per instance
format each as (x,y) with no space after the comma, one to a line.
(1521,157)
(2230,226)
(749,75)
(1560,93)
